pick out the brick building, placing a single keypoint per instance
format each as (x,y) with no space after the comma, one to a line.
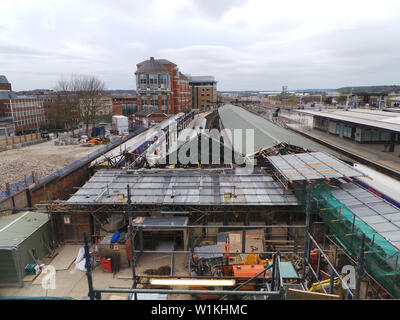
(160,84)
(4,84)
(26,112)
(203,92)
(124,105)
(149,116)
(184,94)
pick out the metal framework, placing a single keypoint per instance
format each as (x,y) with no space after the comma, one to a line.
(184,187)
(311,166)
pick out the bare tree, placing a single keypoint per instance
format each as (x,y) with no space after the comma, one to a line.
(67,103)
(90,92)
(78,98)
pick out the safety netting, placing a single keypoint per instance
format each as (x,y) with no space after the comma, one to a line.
(381,256)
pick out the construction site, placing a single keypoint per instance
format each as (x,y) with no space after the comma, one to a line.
(183,210)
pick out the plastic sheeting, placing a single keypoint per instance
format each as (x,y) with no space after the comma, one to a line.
(80,260)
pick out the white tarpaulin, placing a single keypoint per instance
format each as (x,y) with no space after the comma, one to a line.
(81,260)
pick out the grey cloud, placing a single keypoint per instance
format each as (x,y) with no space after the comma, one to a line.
(217,8)
(204,37)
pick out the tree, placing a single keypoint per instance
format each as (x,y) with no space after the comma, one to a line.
(90,92)
(342,99)
(78,98)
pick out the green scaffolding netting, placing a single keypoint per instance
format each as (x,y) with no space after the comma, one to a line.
(381,259)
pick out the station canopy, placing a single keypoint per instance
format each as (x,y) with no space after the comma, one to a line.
(311,166)
(380,215)
(184,187)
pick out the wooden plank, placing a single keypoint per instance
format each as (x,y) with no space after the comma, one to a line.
(295,294)
(65,257)
(116,297)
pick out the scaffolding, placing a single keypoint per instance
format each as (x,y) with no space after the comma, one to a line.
(381,256)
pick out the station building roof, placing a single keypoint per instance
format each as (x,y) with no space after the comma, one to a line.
(184,187)
(312,166)
(266,133)
(361,117)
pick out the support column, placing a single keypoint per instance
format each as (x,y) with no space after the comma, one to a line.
(360,269)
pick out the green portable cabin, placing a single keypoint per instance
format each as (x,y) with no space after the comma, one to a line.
(20,233)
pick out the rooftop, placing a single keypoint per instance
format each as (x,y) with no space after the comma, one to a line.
(363,117)
(184,187)
(15,228)
(151,66)
(311,166)
(148,111)
(7,95)
(266,133)
(3,79)
(202,79)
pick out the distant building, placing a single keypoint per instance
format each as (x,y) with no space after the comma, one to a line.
(184,93)
(124,105)
(359,125)
(149,116)
(4,84)
(7,128)
(104,107)
(204,92)
(158,84)
(26,112)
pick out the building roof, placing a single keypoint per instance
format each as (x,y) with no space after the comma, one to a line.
(311,166)
(7,95)
(3,79)
(362,117)
(148,111)
(266,133)
(183,77)
(184,187)
(202,79)
(165,61)
(151,66)
(162,61)
(15,228)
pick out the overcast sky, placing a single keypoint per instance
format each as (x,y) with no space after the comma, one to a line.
(245,44)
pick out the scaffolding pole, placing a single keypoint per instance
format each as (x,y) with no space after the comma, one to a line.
(131,239)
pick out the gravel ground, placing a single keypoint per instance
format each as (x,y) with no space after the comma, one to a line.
(43,158)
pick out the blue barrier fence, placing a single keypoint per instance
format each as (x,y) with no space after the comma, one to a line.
(20,185)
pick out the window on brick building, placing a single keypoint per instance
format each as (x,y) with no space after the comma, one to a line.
(153,81)
(154,100)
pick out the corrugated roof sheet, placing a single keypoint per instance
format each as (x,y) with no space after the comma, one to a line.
(184,186)
(311,166)
(15,228)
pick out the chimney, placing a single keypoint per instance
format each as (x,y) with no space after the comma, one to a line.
(151,58)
